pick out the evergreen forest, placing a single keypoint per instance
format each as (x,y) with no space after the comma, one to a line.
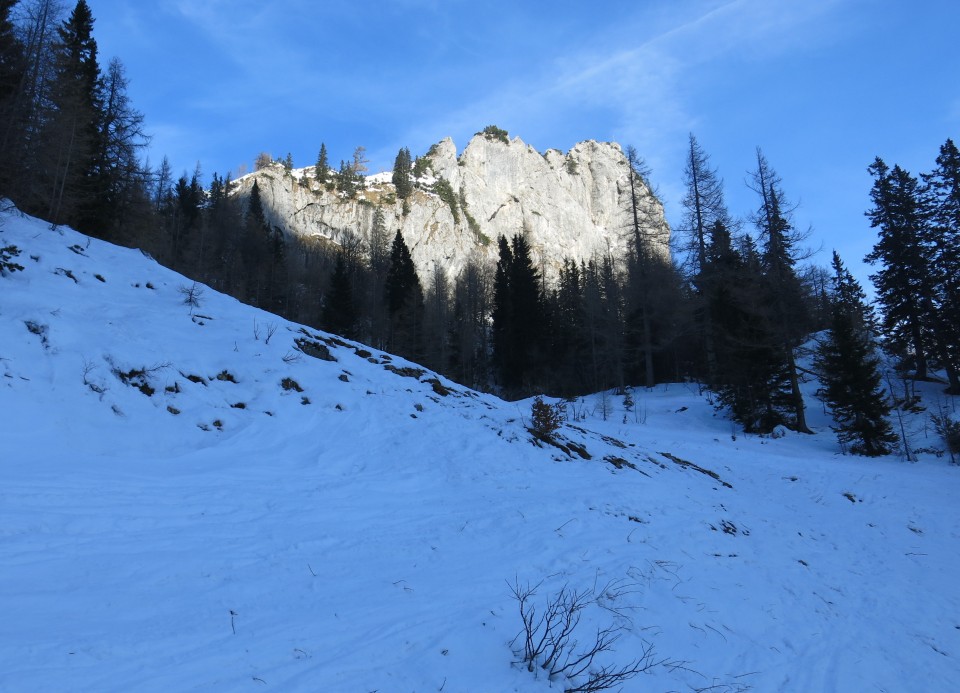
(734,304)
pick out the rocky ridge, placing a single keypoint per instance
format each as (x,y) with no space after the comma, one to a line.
(573,205)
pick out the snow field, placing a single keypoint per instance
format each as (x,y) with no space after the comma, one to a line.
(367,538)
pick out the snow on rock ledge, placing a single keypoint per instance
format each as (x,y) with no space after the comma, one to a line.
(573,205)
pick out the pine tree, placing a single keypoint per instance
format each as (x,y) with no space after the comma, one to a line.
(117,168)
(72,131)
(747,363)
(12,74)
(339,310)
(850,371)
(402,168)
(783,290)
(255,206)
(321,171)
(941,199)
(346,179)
(650,294)
(469,352)
(519,334)
(903,284)
(403,295)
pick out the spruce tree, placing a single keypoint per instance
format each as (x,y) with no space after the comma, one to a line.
(747,364)
(849,369)
(73,125)
(117,169)
(321,170)
(339,309)
(12,72)
(403,296)
(903,285)
(783,292)
(402,168)
(941,199)
(519,333)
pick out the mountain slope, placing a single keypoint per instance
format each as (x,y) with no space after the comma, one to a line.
(363,532)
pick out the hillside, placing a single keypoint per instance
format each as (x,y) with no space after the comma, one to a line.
(207,497)
(568,206)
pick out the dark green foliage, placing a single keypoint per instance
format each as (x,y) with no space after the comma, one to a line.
(519,334)
(403,296)
(782,292)
(13,66)
(402,170)
(339,311)
(346,179)
(902,283)
(420,167)
(941,199)
(746,364)
(849,369)
(321,170)
(445,191)
(492,132)
(544,419)
(71,133)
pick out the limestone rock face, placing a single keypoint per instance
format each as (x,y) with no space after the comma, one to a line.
(569,206)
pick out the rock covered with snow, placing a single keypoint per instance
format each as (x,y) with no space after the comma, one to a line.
(568,206)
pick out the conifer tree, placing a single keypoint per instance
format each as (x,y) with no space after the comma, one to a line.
(12,74)
(72,127)
(117,168)
(903,282)
(346,179)
(703,204)
(321,170)
(402,168)
(746,362)
(255,206)
(339,309)
(403,295)
(783,290)
(850,371)
(704,207)
(519,333)
(941,199)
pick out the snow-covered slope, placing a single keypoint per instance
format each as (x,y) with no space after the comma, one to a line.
(210,498)
(568,206)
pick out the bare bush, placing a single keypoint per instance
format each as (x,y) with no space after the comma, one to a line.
(192,295)
(550,642)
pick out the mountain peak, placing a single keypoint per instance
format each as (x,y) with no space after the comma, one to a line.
(569,206)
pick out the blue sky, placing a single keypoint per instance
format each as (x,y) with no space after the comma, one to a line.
(822,86)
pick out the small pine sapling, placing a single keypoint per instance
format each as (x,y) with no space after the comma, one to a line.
(545,418)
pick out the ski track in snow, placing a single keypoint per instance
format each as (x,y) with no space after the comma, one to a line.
(368,539)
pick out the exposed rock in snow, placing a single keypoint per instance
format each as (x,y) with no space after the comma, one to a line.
(574,205)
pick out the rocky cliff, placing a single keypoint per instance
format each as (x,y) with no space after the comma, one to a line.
(574,205)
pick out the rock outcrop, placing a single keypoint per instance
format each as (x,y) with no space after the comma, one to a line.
(574,205)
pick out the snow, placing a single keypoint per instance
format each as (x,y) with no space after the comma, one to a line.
(364,534)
